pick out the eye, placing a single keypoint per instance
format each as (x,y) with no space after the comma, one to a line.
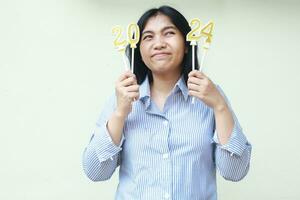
(147,37)
(170,33)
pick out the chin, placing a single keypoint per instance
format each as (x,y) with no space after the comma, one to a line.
(160,68)
(161,71)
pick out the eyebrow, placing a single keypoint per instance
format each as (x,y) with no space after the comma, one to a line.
(165,28)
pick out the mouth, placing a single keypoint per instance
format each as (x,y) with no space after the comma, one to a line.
(160,55)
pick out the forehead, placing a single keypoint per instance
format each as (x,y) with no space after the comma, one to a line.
(158,22)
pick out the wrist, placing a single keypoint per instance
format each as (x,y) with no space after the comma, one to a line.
(119,114)
(220,107)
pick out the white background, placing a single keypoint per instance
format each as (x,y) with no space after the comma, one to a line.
(58,66)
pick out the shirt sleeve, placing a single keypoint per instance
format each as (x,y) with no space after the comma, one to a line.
(233,158)
(102,156)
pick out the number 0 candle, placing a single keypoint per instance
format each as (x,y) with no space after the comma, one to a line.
(133,37)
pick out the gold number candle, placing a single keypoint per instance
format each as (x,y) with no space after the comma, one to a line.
(133,36)
(193,37)
(120,44)
(206,32)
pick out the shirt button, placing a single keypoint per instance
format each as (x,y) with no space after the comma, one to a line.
(165,155)
(166,122)
(166,196)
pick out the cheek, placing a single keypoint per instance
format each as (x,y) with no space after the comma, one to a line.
(180,51)
(179,46)
(143,52)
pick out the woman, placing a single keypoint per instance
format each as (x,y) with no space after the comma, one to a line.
(166,147)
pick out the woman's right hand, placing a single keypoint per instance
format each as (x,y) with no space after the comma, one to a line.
(127,90)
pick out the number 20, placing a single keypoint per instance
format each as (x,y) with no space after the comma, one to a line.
(132,30)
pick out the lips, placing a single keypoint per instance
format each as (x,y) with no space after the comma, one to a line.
(160,54)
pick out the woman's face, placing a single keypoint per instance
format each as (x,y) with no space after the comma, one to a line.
(162,45)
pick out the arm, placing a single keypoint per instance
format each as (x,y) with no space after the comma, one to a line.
(224,122)
(233,152)
(102,155)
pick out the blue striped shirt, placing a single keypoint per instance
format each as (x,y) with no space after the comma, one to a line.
(169,154)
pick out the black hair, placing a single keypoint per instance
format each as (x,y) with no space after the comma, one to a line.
(140,69)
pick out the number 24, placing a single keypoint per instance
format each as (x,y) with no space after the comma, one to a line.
(196,33)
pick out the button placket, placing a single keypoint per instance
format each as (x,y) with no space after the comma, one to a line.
(166,122)
(165,156)
(166,195)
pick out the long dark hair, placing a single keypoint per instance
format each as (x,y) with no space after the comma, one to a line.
(140,69)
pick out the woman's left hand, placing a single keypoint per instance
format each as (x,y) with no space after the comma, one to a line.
(202,87)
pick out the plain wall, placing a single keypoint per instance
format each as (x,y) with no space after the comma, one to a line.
(58,66)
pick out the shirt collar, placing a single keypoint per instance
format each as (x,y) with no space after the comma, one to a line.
(145,90)
(181,86)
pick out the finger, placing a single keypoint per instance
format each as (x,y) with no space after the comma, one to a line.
(197,74)
(196,94)
(194,80)
(204,82)
(199,81)
(126,75)
(194,87)
(132,88)
(129,81)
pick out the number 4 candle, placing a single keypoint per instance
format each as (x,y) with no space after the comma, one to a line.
(206,32)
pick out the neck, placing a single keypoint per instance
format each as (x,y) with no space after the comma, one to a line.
(163,83)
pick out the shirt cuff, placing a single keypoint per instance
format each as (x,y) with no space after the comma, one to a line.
(237,142)
(104,145)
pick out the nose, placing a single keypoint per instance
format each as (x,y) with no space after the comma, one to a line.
(159,43)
